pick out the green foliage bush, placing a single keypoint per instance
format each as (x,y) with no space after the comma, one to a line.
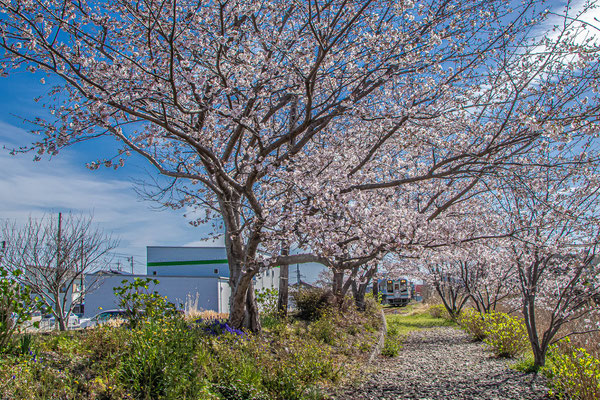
(171,358)
(311,303)
(505,336)
(474,323)
(159,362)
(140,303)
(16,306)
(267,299)
(392,344)
(438,311)
(573,373)
(247,369)
(64,343)
(525,364)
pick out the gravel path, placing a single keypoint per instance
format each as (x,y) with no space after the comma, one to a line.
(443,363)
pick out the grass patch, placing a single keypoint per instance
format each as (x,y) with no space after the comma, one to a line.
(524,364)
(404,324)
(400,325)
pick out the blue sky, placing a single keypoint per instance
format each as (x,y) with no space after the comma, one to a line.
(63,183)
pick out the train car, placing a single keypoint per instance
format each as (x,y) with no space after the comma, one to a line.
(395,292)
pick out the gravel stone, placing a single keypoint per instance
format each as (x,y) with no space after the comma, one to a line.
(444,363)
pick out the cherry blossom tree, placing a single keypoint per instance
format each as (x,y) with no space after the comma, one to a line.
(480,272)
(491,280)
(445,273)
(234,102)
(555,218)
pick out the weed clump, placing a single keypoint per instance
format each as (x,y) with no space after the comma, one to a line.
(311,303)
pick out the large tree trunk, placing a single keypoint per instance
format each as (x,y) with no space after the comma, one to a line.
(359,292)
(59,318)
(251,317)
(243,307)
(338,286)
(539,348)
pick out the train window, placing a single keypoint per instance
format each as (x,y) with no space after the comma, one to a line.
(396,286)
(390,286)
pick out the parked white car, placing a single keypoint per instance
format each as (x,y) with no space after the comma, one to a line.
(101,318)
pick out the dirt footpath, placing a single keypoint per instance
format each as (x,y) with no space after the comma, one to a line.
(444,363)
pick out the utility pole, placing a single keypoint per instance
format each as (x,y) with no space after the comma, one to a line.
(298,274)
(57,307)
(130,259)
(80,295)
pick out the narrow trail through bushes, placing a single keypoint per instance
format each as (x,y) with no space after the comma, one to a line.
(444,363)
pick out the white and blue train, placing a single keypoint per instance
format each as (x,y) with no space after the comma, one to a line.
(395,292)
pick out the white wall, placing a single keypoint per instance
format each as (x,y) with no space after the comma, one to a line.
(175,288)
(267,279)
(224,294)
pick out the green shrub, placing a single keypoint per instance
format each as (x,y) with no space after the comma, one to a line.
(16,306)
(140,303)
(66,343)
(438,311)
(506,336)
(392,344)
(311,303)
(247,369)
(573,372)
(474,323)
(160,361)
(105,345)
(267,304)
(525,364)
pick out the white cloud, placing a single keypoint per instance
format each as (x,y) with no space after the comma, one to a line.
(585,11)
(63,184)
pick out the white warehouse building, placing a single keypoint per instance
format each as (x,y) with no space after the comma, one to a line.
(198,275)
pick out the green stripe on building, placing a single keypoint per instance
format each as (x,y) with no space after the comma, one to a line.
(193,262)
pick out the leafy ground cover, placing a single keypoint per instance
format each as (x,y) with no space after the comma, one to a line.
(171,357)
